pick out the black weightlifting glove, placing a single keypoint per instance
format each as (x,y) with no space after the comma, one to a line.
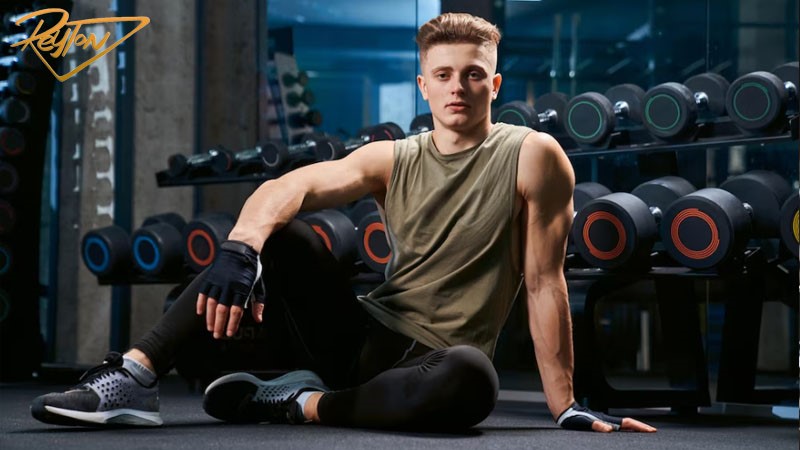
(580,418)
(233,275)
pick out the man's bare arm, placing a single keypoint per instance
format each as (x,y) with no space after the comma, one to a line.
(545,181)
(318,186)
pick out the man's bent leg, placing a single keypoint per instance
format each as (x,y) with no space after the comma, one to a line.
(452,388)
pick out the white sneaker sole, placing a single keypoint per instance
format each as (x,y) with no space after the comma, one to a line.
(116,417)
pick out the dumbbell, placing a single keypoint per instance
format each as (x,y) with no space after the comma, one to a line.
(361,208)
(373,247)
(617,231)
(790,224)
(672,110)
(582,194)
(337,149)
(158,245)
(290,80)
(8,217)
(9,180)
(312,118)
(591,117)
(337,233)
(5,259)
(421,124)
(296,99)
(14,111)
(107,252)
(216,161)
(712,226)
(273,155)
(19,83)
(550,118)
(758,101)
(202,237)
(25,59)
(12,141)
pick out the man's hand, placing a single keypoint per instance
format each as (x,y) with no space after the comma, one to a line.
(577,417)
(230,281)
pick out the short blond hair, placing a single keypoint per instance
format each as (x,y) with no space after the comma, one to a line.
(456,28)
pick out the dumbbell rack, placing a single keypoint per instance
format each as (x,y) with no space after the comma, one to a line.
(685,357)
(723,128)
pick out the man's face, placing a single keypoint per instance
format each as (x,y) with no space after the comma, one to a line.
(459,83)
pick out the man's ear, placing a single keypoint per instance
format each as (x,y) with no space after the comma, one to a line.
(423,87)
(497,80)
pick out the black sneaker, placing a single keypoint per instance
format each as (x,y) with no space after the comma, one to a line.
(243,398)
(107,395)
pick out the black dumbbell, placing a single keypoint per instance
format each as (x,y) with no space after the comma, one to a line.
(106,252)
(617,231)
(290,80)
(582,194)
(712,226)
(14,111)
(672,110)
(216,161)
(790,224)
(758,101)
(157,245)
(387,131)
(6,259)
(591,117)
(361,208)
(789,73)
(274,155)
(337,233)
(202,237)
(520,113)
(312,118)
(19,83)
(420,124)
(12,141)
(373,247)
(8,217)
(9,180)
(25,59)
(294,99)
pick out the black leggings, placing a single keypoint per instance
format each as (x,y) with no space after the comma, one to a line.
(382,379)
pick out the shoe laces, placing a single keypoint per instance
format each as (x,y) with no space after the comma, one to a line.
(111,363)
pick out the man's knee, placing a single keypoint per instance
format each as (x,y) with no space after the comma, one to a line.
(475,382)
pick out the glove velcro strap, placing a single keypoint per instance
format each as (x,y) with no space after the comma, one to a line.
(577,417)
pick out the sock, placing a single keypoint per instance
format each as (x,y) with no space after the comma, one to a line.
(302,399)
(139,371)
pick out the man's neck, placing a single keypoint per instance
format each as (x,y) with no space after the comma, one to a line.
(449,141)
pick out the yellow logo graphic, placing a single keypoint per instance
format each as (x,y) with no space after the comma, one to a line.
(50,41)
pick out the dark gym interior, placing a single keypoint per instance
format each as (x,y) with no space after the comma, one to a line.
(120,178)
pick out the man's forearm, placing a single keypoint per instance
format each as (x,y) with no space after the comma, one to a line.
(269,208)
(551,330)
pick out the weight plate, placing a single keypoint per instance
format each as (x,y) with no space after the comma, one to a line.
(12,141)
(705,228)
(553,105)
(171,218)
(9,179)
(158,249)
(337,232)
(590,118)
(373,247)
(585,192)
(615,231)
(422,123)
(329,148)
(632,96)
(790,224)
(202,237)
(274,153)
(518,113)
(756,101)
(6,259)
(670,111)
(790,72)
(362,208)
(107,251)
(661,192)
(765,192)
(714,86)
